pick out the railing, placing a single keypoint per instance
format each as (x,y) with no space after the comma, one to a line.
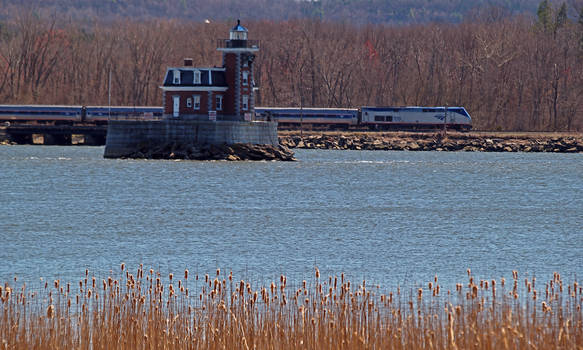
(237,44)
(136,116)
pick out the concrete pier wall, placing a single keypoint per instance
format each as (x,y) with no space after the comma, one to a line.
(127,136)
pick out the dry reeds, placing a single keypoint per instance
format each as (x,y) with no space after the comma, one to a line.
(145,310)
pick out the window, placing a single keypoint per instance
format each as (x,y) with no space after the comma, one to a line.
(196,99)
(219,102)
(379,118)
(189,102)
(245,78)
(245,102)
(176,76)
(389,118)
(196,79)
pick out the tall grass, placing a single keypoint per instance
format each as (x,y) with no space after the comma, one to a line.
(143,309)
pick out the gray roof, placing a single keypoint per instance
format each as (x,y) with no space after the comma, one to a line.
(187,77)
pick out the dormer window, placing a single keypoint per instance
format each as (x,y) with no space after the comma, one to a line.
(176,76)
(196,79)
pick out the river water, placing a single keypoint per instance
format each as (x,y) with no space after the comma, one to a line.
(392,218)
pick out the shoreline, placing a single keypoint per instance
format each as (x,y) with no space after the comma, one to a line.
(482,141)
(436,141)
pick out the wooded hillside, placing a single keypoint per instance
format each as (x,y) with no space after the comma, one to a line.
(511,74)
(352,11)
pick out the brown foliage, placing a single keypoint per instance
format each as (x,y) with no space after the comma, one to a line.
(508,74)
(147,310)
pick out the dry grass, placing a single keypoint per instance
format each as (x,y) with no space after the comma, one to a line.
(144,310)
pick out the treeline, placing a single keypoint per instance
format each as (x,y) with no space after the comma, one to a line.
(511,74)
(353,11)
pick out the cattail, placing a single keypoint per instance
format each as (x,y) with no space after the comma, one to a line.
(186,274)
(218,272)
(317,273)
(50,311)
(123,266)
(420,293)
(170,276)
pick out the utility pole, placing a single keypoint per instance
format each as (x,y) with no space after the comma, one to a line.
(445,121)
(109,95)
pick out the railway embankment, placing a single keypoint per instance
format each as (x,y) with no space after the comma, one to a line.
(467,142)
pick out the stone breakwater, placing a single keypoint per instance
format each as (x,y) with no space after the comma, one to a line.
(233,152)
(435,142)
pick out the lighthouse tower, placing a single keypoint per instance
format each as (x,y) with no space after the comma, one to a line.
(238,56)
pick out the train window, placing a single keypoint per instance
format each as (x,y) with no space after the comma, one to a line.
(389,118)
(379,118)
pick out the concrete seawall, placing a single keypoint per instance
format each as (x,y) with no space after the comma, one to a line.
(126,136)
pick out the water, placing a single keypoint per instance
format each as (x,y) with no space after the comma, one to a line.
(392,218)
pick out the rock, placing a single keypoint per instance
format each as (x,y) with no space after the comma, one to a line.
(414,146)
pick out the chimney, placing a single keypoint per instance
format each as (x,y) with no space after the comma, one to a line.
(188,62)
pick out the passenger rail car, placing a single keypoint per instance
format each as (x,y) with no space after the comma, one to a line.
(40,113)
(326,117)
(74,114)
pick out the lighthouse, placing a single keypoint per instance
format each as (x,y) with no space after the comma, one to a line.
(217,93)
(203,106)
(238,57)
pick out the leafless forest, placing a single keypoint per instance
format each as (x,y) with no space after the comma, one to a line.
(511,73)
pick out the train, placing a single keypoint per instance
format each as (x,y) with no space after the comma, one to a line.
(74,114)
(366,117)
(374,118)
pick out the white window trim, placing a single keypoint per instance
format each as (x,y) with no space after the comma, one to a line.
(176,76)
(196,102)
(196,77)
(219,102)
(245,104)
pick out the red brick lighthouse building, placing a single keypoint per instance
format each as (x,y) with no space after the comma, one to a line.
(223,93)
